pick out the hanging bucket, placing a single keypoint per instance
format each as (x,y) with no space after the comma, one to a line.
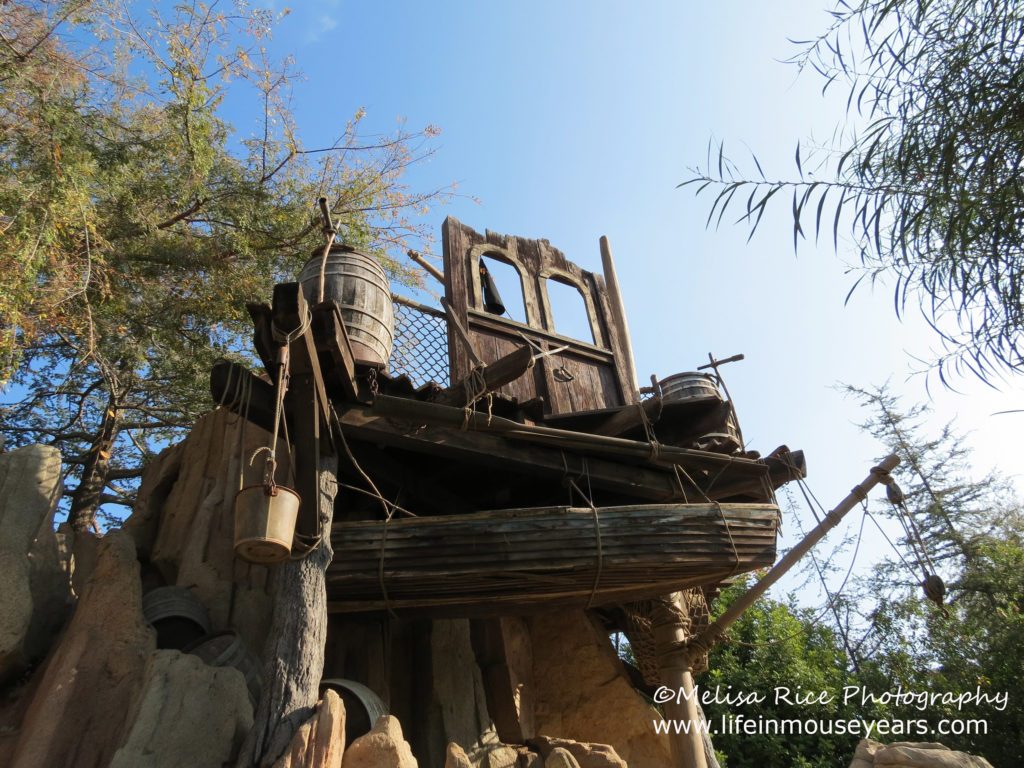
(177,616)
(265,523)
(228,649)
(356,282)
(363,707)
(689,386)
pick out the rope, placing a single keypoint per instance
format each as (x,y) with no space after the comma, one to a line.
(323,267)
(915,539)
(693,482)
(597,533)
(652,439)
(392,505)
(828,607)
(732,542)
(891,544)
(476,389)
(389,509)
(679,483)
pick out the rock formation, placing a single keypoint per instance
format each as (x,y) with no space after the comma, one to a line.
(509,692)
(906,754)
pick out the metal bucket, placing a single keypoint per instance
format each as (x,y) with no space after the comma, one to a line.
(177,616)
(356,282)
(363,707)
(265,523)
(228,649)
(689,386)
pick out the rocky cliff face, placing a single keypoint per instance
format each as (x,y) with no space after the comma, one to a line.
(102,693)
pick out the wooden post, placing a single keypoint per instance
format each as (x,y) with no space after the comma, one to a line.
(677,676)
(611,281)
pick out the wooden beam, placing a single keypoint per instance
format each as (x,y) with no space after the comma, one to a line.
(618,321)
(290,313)
(243,392)
(430,269)
(263,339)
(335,350)
(492,450)
(629,417)
(433,413)
(496,374)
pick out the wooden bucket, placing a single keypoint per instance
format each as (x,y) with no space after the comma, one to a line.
(356,282)
(725,440)
(265,523)
(228,649)
(689,386)
(177,616)
(363,707)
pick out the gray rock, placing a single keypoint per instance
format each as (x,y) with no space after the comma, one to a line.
(189,714)
(32,598)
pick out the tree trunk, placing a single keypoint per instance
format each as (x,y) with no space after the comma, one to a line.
(85,499)
(294,654)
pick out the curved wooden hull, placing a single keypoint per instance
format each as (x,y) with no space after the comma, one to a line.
(526,560)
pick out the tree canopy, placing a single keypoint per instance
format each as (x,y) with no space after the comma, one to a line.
(929,185)
(137,222)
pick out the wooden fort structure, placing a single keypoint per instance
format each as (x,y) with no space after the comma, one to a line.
(492,468)
(537,475)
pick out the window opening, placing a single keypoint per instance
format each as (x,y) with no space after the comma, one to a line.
(509,286)
(569,311)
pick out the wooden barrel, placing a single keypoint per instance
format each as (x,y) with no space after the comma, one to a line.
(177,615)
(363,707)
(228,649)
(689,386)
(356,282)
(725,438)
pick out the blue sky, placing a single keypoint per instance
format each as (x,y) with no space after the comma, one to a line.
(572,120)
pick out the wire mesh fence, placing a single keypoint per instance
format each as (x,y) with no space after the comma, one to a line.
(421,343)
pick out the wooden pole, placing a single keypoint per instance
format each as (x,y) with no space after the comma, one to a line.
(708,637)
(676,675)
(430,269)
(611,281)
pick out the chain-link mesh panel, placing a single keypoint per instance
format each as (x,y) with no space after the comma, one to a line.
(421,344)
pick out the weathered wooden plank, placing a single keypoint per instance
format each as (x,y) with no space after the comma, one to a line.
(454,248)
(335,350)
(508,368)
(432,413)
(621,343)
(477,448)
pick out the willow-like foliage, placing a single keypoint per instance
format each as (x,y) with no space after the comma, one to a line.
(930,185)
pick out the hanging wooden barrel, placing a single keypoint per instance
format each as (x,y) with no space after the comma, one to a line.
(265,523)
(356,282)
(228,649)
(363,707)
(177,615)
(689,386)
